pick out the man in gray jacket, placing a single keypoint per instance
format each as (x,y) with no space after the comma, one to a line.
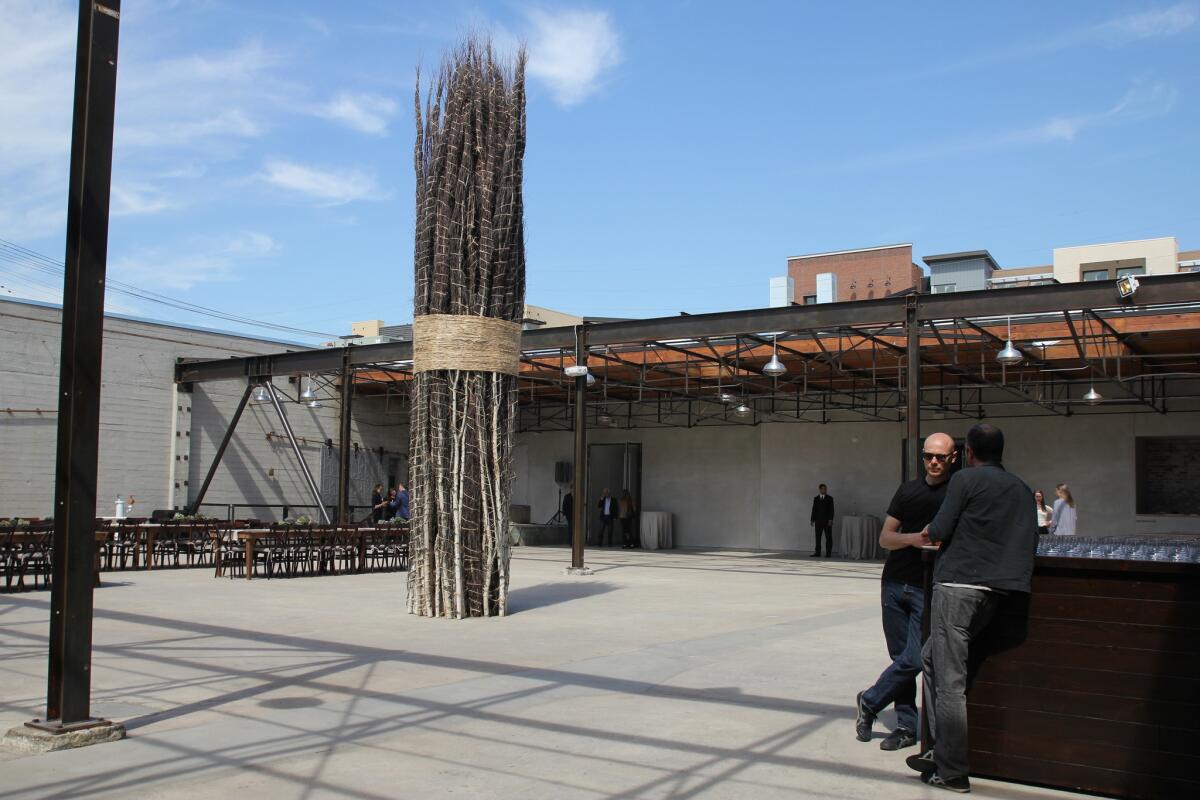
(987,531)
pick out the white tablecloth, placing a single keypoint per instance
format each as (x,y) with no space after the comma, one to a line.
(859,538)
(655,527)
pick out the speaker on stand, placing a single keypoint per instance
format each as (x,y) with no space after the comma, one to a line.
(562,475)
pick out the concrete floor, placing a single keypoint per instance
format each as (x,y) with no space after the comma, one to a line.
(666,674)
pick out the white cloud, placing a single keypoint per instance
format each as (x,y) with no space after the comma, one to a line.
(136,198)
(1151,24)
(196,261)
(1141,102)
(326,186)
(368,113)
(570,51)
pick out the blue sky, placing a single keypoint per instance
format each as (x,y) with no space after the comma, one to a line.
(678,152)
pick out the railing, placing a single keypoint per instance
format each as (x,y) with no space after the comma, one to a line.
(231,509)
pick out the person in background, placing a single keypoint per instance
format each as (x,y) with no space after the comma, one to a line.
(822,521)
(377,503)
(902,595)
(1044,512)
(568,511)
(400,503)
(1062,519)
(627,512)
(388,509)
(608,513)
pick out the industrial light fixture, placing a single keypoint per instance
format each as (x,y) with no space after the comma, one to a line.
(590,378)
(774,368)
(309,393)
(314,403)
(1093,398)
(1127,286)
(260,394)
(575,370)
(1009,355)
(727,397)
(604,419)
(743,410)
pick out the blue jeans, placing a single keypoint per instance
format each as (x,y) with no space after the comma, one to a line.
(903,607)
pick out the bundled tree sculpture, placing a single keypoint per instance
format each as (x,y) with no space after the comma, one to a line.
(469,298)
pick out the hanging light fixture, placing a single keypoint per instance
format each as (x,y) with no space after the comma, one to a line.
(774,368)
(1009,355)
(260,394)
(743,410)
(1093,398)
(314,403)
(575,370)
(308,393)
(727,397)
(591,379)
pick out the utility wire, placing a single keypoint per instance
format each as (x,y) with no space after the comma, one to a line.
(36,269)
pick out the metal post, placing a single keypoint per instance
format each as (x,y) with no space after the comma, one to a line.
(344,447)
(912,464)
(580,505)
(287,429)
(68,685)
(212,469)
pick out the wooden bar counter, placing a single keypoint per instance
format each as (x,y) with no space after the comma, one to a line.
(1100,690)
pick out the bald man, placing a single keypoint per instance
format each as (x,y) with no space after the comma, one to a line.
(914,506)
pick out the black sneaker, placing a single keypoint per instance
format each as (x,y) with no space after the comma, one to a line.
(898,740)
(959,784)
(923,763)
(865,719)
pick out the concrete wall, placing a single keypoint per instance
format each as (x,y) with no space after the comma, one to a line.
(752,486)
(1161,255)
(156,441)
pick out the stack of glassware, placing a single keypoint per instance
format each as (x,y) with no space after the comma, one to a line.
(1182,550)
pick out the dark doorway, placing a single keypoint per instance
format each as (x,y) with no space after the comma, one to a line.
(617,467)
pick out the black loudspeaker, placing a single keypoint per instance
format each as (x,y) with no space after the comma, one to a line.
(562,472)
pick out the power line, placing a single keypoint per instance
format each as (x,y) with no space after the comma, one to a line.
(31,261)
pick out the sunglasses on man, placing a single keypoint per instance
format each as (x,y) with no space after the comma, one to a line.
(941,458)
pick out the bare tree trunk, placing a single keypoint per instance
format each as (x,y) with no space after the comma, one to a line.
(469,261)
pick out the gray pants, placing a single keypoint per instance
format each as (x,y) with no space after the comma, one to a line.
(957,617)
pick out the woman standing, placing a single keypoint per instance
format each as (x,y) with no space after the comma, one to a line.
(377,503)
(626,511)
(1062,520)
(1044,512)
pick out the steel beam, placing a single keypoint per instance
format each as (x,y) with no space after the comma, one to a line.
(912,396)
(1154,290)
(579,502)
(291,437)
(216,462)
(68,685)
(344,445)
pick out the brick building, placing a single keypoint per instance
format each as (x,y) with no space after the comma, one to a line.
(861,274)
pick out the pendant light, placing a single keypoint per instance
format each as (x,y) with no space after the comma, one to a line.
(260,394)
(1093,398)
(309,393)
(774,368)
(743,410)
(1009,355)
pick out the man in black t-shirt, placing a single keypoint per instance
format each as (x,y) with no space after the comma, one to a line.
(914,506)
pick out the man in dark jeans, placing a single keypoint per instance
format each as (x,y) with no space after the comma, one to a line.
(822,521)
(987,529)
(912,508)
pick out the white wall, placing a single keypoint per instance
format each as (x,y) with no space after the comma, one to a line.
(752,486)
(155,441)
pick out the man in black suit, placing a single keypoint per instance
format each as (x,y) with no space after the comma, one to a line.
(568,511)
(822,522)
(608,513)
